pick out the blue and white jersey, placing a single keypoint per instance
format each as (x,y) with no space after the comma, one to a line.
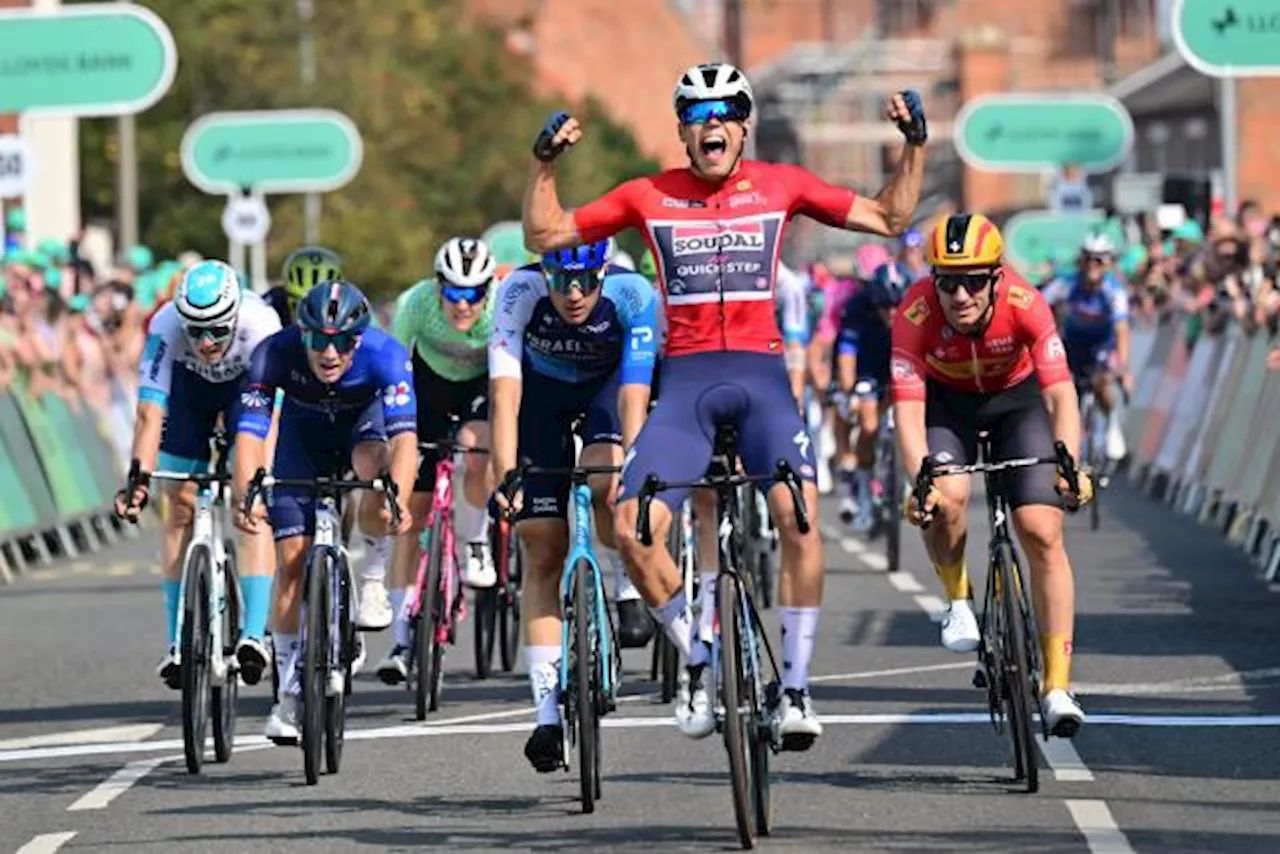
(1090,316)
(792,294)
(168,349)
(380,369)
(623,332)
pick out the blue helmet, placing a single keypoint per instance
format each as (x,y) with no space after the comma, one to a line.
(589,256)
(912,238)
(334,307)
(887,286)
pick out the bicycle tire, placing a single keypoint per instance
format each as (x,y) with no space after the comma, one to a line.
(509,605)
(1095,509)
(761,743)
(585,689)
(733,687)
(315,664)
(1019,696)
(485,630)
(224,698)
(424,628)
(335,724)
(891,513)
(195,657)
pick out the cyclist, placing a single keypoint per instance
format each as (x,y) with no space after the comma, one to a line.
(793,321)
(445,322)
(974,345)
(348,401)
(197,351)
(715,229)
(1095,330)
(911,264)
(303,270)
(570,342)
(862,376)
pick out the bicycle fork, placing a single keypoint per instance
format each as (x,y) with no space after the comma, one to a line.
(202,537)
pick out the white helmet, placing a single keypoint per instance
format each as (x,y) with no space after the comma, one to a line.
(209,295)
(713,81)
(465,262)
(1098,245)
(624,260)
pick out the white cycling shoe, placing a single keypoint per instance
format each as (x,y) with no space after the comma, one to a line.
(478,570)
(374,611)
(794,723)
(282,723)
(1062,714)
(960,627)
(694,715)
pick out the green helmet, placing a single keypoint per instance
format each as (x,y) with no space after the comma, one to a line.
(308,267)
(648,267)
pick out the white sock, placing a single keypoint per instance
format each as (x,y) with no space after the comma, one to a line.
(707,614)
(799,627)
(377,552)
(624,590)
(544,680)
(470,524)
(676,622)
(399,624)
(286,653)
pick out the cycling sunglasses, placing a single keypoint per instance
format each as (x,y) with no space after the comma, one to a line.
(973,283)
(562,281)
(701,112)
(472,296)
(216,333)
(318,342)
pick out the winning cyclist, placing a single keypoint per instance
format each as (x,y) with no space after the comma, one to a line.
(197,351)
(863,341)
(302,271)
(974,345)
(569,342)
(715,229)
(446,322)
(1095,329)
(348,401)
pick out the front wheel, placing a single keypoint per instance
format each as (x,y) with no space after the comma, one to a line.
(737,734)
(196,655)
(509,601)
(1019,682)
(587,688)
(335,729)
(315,663)
(485,630)
(223,698)
(424,629)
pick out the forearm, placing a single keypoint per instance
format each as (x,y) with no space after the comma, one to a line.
(900,196)
(913,443)
(820,364)
(1064,414)
(633,406)
(847,369)
(542,214)
(504,411)
(404,461)
(1122,345)
(146,435)
(251,455)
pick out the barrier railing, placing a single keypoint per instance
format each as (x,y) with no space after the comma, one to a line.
(1202,432)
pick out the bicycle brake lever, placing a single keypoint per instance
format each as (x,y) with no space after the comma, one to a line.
(787,475)
(650,488)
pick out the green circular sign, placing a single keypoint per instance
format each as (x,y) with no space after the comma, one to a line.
(506,243)
(1035,133)
(272,151)
(91,59)
(1035,238)
(1236,39)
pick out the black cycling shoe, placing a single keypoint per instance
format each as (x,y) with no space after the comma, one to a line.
(545,748)
(253,658)
(635,626)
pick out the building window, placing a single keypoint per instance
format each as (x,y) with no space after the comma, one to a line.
(905,18)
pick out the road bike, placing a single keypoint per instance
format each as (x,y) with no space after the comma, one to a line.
(742,692)
(683,545)
(210,613)
(590,658)
(327,627)
(1009,658)
(887,505)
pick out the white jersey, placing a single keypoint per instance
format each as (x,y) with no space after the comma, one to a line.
(792,294)
(168,347)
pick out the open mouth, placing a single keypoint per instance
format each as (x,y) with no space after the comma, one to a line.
(713,146)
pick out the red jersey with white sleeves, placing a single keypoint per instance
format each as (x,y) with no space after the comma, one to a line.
(1021,339)
(717,246)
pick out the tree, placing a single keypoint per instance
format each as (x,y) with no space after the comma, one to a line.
(446,112)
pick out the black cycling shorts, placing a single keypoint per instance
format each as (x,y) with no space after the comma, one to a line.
(439,400)
(1019,425)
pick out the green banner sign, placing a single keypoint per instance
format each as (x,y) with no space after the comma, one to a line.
(1035,133)
(1236,39)
(90,59)
(1033,239)
(272,151)
(506,242)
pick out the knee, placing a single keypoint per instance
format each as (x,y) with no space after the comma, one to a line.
(542,559)
(625,535)
(955,503)
(289,566)
(1040,533)
(182,510)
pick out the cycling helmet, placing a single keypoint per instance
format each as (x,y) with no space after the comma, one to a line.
(565,267)
(334,307)
(887,286)
(911,239)
(208,296)
(1098,245)
(465,262)
(624,260)
(965,240)
(714,81)
(869,258)
(308,267)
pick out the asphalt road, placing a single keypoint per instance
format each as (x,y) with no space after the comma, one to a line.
(1176,663)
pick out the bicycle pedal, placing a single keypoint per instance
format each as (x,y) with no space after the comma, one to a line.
(980,678)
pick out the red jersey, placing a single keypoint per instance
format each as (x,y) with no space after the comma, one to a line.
(1021,339)
(717,246)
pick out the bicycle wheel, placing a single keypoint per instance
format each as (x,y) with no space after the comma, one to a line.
(335,724)
(585,688)
(315,663)
(734,687)
(890,511)
(196,650)
(509,603)
(1019,697)
(424,628)
(485,631)
(223,698)
(760,735)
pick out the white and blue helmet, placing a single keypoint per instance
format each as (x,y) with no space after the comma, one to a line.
(209,295)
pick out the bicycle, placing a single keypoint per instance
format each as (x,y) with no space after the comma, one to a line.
(761,555)
(497,620)
(682,543)
(437,602)
(209,618)
(327,628)
(1093,452)
(1009,660)
(590,658)
(740,695)
(887,515)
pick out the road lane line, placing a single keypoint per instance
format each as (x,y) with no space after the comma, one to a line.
(1066,763)
(1191,684)
(931,605)
(875,560)
(905,582)
(101,735)
(894,671)
(47,843)
(101,795)
(1099,828)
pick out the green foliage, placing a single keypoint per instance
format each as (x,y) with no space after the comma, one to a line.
(446,112)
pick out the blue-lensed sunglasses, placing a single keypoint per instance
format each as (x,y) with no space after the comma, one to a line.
(701,112)
(318,342)
(472,296)
(563,281)
(216,333)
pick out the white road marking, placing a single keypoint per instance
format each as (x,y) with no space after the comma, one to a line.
(1101,833)
(101,795)
(1190,685)
(128,732)
(905,582)
(895,671)
(1066,763)
(852,546)
(47,843)
(875,560)
(931,605)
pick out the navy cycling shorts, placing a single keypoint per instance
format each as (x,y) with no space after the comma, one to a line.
(751,391)
(191,416)
(310,445)
(548,410)
(1087,360)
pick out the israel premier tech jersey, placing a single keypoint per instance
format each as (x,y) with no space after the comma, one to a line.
(623,331)
(1091,315)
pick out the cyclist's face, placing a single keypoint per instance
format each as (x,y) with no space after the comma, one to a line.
(462,315)
(966,307)
(714,147)
(575,306)
(328,364)
(913,257)
(1094,269)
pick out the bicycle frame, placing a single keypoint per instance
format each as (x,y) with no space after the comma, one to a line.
(328,538)
(441,510)
(580,549)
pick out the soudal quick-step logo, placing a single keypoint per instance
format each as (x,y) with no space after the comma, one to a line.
(697,239)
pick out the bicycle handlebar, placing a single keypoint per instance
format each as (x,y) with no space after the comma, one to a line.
(783,473)
(451,446)
(514,479)
(382,483)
